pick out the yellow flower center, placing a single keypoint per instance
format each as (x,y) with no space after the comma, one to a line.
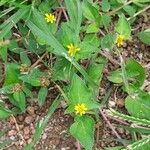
(50,18)
(72,49)
(80,109)
(120,40)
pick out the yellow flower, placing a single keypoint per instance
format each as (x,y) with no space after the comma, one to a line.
(72,49)
(50,18)
(120,40)
(80,109)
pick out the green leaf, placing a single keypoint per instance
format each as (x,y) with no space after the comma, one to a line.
(79,93)
(42,95)
(4,113)
(92,28)
(75,13)
(83,130)
(86,50)
(3,53)
(33,77)
(62,70)
(25,59)
(106,21)
(91,12)
(95,71)
(139,105)
(9,23)
(105,5)
(135,75)
(130,10)
(116,76)
(135,72)
(66,35)
(11,73)
(19,98)
(145,36)
(108,41)
(123,27)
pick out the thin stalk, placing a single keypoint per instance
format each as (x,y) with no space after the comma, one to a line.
(139,12)
(119,8)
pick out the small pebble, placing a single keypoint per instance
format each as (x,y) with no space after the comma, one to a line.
(26,130)
(121,103)
(30,110)
(29,119)
(12,132)
(111,104)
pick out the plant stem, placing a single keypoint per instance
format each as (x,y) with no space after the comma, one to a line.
(117,9)
(111,127)
(139,12)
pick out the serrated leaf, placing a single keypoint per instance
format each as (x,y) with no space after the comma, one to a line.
(105,5)
(123,27)
(108,41)
(145,36)
(90,12)
(92,28)
(79,93)
(83,130)
(106,21)
(115,76)
(139,105)
(135,75)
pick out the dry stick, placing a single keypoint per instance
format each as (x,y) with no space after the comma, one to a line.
(111,127)
(39,60)
(63,9)
(17,127)
(78,146)
(117,9)
(139,12)
(58,18)
(109,57)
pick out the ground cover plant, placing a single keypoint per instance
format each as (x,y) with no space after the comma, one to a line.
(67,46)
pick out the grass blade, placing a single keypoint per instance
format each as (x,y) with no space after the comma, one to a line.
(9,23)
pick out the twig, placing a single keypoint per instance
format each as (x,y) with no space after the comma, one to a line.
(78,146)
(139,12)
(17,128)
(59,17)
(63,10)
(111,127)
(39,60)
(109,57)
